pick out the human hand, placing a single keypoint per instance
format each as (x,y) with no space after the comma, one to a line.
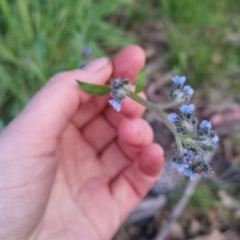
(71,167)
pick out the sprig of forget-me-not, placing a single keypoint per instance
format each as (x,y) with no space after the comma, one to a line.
(192,139)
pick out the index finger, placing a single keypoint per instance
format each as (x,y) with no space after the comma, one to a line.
(128,62)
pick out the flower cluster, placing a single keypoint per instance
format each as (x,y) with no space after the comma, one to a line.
(206,137)
(185,123)
(184,162)
(190,163)
(180,93)
(87,52)
(119,90)
(191,142)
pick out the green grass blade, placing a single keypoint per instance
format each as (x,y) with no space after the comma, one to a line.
(141,80)
(24,13)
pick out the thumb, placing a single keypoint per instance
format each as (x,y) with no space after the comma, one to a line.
(50,110)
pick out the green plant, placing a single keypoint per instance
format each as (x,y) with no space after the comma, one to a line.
(41,38)
(197,33)
(191,140)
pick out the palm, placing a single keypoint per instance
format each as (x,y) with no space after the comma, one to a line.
(86,192)
(90,170)
(82,191)
(75,171)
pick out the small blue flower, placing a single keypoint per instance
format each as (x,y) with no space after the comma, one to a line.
(188,89)
(187,109)
(120,89)
(179,166)
(190,155)
(188,92)
(172,117)
(185,150)
(116,83)
(215,140)
(205,175)
(192,175)
(116,104)
(187,172)
(87,51)
(205,125)
(179,80)
(174,164)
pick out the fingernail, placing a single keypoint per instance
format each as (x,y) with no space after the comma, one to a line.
(97,64)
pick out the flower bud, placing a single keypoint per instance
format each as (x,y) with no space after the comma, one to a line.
(120,89)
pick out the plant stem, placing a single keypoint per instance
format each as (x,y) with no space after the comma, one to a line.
(167,105)
(155,109)
(179,145)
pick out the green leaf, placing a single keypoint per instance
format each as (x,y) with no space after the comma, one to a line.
(141,80)
(94,88)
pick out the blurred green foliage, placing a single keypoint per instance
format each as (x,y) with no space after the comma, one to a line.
(204,196)
(40,38)
(203,37)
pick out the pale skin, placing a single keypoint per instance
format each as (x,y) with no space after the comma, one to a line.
(71,167)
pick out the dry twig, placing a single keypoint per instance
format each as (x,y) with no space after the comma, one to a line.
(147,209)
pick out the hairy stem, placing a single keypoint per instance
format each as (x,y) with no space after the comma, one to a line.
(167,105)
(155,109)
(179,145)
